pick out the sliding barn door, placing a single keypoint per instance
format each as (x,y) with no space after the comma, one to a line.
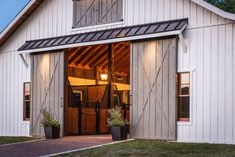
(153,111)
(47,88)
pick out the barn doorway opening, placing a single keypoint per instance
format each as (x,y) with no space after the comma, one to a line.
(97,78)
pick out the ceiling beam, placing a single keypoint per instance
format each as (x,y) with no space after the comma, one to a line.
(86,54)
(120,56)
(94,54)
(104,57)
(123,62)
(105,63)
(77,54)
(97,56)
(72,52)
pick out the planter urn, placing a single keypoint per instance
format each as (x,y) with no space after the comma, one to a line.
(119,133)
(52,132)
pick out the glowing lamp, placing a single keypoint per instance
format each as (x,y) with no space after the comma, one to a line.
(104,77)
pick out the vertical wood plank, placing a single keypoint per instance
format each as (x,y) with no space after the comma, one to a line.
(228,84)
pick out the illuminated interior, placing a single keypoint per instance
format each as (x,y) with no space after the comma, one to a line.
(92,66)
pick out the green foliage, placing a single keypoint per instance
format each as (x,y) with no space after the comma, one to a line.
(115,117)
(227,5)
(154,148)
(48,119)
(8,140)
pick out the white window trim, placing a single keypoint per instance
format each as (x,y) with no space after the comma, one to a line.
(190,122)
(99,26)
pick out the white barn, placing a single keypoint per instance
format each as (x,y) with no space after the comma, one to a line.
(201,51)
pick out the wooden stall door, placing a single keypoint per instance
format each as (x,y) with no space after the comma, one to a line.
(153,111)
(47,88)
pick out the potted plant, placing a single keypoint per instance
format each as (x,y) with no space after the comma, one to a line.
(118,126)
(50,124)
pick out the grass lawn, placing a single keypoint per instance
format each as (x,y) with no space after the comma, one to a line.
(8,140)
(148,148)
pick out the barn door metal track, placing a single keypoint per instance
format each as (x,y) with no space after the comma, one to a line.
(152,86)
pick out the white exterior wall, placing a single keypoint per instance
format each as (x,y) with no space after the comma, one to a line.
(210,60)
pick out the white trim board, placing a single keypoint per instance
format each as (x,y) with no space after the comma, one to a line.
(214,9)
(24,10)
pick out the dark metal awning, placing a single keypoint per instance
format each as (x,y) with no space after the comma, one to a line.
(146,31)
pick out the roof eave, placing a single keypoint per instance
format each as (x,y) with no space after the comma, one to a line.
(18,20)
(215,10)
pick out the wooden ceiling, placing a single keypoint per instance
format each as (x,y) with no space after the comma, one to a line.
(89,57)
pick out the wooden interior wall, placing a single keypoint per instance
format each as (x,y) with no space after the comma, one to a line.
(47,88)
(153,112)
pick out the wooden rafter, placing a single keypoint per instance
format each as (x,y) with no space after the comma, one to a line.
(82,52)
(123,62)
(72,52)
(104,64)
(94,54)
(120,55)
(102,58)
(87,54)
(97,57)
(123,69)
(77,54)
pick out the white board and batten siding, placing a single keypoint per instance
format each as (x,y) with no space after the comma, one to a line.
(13,74)
(209,59)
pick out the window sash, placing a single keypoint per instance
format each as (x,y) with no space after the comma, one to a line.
(96,12)
(25,101)
(181,107)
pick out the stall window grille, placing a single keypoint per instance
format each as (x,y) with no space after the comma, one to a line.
(183,96)
(27,90)
(96,12)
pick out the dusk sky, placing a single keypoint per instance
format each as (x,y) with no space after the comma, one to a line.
(9,9)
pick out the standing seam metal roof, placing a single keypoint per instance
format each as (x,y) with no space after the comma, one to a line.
(138,30)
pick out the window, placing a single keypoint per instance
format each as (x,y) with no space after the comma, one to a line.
(96,12)
(26,100)
(183,96)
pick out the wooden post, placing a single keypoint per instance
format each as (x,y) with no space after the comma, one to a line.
(97,109)
(96,75)
(124,107)
(110,74)
(80,119)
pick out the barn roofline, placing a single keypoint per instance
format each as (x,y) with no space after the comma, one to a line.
(34,4)
(215,10)
(19,20)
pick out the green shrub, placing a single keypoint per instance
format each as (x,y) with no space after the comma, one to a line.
(226,5)
(48,119)
(115,117)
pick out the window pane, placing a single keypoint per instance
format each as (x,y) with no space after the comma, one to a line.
(26,101)
(183,96)
(27,87)
(183,107)
(184,79)
(27,112)
(184,90)
(95,12)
